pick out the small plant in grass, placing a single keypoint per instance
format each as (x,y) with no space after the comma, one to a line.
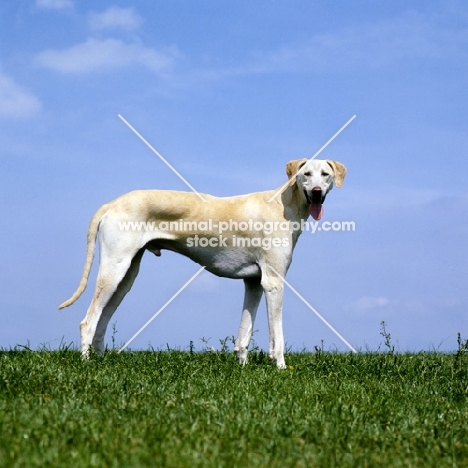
(224,344)
(462,345)
(320,349)
(387,336)
(208,347)
(461,359)
(114,332)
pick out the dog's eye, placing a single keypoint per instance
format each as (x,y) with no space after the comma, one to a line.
(325,174)
(307,173)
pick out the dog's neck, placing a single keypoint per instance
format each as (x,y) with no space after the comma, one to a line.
(295,207)
(295,204)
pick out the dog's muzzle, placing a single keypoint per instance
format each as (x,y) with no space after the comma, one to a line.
(315,199)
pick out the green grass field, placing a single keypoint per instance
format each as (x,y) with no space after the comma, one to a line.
(201,409)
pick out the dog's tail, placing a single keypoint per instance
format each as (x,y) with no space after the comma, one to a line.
(91,248)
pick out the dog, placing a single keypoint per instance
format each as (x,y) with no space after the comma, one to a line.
(250,237)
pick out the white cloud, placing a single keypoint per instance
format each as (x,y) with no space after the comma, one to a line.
(206,282)
(16,102)
(372,46)
(54,4)
(115,17)
(97,55)
(366,303)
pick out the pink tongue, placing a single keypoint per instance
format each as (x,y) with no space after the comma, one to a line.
(316,211)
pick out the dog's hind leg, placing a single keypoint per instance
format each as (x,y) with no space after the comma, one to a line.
(253,294)
(122,289)
(114,281)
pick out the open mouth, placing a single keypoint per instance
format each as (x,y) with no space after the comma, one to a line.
(315,200)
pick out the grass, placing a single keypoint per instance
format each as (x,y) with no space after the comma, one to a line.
(201,409)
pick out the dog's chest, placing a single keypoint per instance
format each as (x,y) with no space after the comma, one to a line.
(228,263)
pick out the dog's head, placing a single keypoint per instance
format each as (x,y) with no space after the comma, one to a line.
(314,179)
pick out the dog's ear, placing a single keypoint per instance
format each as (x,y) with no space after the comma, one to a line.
(339,170)
(292,167)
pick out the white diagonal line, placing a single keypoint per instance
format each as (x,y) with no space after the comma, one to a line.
(162,159)
(314,311)
(161,309)
(313,157)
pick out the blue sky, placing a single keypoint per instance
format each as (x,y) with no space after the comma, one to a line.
(228,92)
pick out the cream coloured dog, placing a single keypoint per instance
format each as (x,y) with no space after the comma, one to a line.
(248,236)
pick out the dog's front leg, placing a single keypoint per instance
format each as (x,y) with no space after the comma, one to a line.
(253,294)
(274,290)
